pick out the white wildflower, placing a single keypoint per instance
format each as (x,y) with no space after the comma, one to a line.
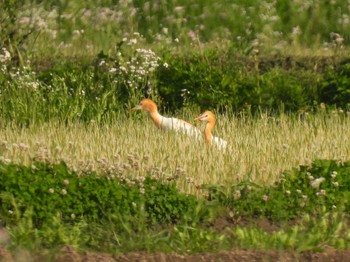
(5,56)
(237,194)
(296,31)
(265,198)
(334,174)
(316,183)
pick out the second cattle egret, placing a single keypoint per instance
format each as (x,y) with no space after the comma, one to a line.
(165,122)
(209,117)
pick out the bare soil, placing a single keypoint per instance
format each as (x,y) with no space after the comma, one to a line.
(68,254)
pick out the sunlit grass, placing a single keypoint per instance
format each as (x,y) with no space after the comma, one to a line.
(261,147)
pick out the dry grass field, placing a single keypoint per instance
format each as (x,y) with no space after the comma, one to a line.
(260,147)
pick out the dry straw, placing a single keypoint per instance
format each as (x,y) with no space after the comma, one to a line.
(262,147)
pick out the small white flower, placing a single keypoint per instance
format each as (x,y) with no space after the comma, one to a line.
(334,174)
(132,41)
(72,216)
(311,177)
(316,183)
(336,184)
(321,193)
(64,192)
(166,65)
(66,182)
(298,191)
(51,190)
(287,192)
(11,212)
(296,31)
(237,194)
(265,198)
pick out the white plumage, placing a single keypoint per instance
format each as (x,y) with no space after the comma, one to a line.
(163,122)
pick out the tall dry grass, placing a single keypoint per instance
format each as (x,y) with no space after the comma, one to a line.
(262,147)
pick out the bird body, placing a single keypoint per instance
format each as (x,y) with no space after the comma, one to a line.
(209,117)
(167,123)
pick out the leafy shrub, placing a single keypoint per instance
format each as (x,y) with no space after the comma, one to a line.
(323,186)
(48,190)
(224,80)
(336,87)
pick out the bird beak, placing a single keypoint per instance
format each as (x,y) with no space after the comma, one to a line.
(134,108)
(200,117)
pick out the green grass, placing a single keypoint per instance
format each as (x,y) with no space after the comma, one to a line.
(109,212)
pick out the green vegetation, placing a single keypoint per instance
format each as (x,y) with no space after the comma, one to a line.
(77,170)
(46,206)
(262,55)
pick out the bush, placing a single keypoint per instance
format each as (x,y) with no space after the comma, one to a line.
(323,186)
(336,87)
(48,190)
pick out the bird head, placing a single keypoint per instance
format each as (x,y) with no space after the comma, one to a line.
(146,105)
(207,116)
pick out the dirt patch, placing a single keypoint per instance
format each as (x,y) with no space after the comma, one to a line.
(68,254)
(220,223)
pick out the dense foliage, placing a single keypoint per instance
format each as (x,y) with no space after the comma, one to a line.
(47,190)
(314,189)
(51,201)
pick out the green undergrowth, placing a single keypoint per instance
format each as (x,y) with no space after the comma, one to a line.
(46,190)
(46,205)
(322,186)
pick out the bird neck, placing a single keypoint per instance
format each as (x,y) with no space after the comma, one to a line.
(156,117)
(207,132)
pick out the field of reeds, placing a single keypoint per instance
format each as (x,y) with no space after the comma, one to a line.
(79,173)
